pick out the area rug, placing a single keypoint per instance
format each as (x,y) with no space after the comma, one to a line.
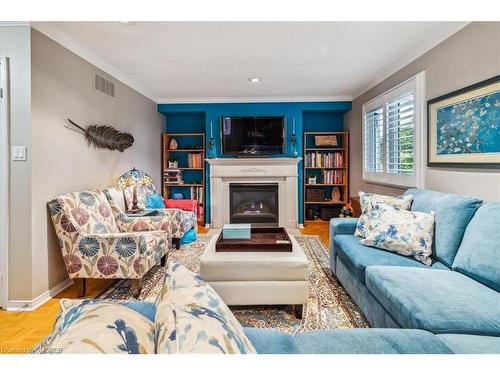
(329,305)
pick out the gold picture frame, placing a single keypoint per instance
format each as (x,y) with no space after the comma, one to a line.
(463,127)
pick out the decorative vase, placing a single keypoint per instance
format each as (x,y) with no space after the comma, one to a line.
(335,194)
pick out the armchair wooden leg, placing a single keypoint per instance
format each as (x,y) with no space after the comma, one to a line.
(81,287)
(177,243)
(136,286)
(163,260)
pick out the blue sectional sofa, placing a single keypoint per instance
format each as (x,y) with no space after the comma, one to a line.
(457,297)
(370,341)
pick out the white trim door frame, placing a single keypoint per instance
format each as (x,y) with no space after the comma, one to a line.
(4,180)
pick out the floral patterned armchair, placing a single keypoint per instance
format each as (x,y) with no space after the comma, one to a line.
(94,245)
(180,221)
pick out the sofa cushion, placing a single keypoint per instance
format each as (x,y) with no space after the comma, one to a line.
(357,257)
(479,253)
(436,300)
(452,214)
(192,318)
(404,232)
(103,327)
(471,344)
(347,341)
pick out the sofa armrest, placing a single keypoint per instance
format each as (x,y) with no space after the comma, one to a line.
(339,226)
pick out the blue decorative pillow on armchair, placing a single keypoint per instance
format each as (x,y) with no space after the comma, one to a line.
(154,201)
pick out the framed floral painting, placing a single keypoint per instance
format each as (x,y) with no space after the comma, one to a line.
(464,127)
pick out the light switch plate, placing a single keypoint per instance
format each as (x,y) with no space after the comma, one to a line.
(18,153)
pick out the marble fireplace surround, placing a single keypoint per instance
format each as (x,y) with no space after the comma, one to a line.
(281,171)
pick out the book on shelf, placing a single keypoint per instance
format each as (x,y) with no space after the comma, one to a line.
(197,193)
(333,177)
(325,160)
(195,160)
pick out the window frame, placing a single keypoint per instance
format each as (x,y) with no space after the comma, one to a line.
(415,84)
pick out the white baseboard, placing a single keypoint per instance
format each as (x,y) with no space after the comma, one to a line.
(301,226)
(30,305)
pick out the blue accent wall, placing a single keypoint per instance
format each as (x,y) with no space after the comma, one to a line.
(309,116)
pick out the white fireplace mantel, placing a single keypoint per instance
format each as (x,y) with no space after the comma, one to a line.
(283,171)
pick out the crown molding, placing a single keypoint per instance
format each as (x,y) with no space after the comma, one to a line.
(415,54)
(72,45)
(263,99)
(14,23)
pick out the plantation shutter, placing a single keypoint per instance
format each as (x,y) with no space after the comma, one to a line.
(400,128)
(373,140)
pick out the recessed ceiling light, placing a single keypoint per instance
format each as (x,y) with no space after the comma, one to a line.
(254,79)
(127,22)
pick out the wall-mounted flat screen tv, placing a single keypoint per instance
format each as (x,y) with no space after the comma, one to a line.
(253,136)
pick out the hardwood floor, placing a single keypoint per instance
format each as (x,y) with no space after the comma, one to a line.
(21,331)
(318,228)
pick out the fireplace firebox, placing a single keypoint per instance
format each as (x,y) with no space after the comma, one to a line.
(254,204)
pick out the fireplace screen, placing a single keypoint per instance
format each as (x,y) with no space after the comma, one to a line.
(254,203)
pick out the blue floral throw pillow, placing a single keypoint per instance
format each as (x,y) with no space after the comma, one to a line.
(368,200)
(404,232)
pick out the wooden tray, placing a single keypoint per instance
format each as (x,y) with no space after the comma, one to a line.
(266,239)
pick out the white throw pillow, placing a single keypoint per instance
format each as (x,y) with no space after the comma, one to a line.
(368,200)
(404,232)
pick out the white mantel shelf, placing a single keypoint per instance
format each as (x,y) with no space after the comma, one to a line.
(254,161)
(282,171)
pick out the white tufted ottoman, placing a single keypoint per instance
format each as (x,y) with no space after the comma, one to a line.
(258,278)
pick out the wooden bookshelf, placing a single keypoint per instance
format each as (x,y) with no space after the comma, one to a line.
(318,169)
(194,176)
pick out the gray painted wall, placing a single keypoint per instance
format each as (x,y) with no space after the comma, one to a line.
(469,56)
(15,44)
(48,85)
(63,87)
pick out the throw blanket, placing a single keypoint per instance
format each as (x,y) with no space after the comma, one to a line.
(184,204)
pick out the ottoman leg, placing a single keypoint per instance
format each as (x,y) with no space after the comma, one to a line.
(177,243)
(298,310)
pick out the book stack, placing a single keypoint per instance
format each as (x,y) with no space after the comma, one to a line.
(325,160)
(195,161)
(197,193)
(333,177)
(172,176)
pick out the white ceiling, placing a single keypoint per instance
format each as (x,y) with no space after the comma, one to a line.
(212,61)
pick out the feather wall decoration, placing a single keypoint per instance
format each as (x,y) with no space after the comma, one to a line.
(105,136)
